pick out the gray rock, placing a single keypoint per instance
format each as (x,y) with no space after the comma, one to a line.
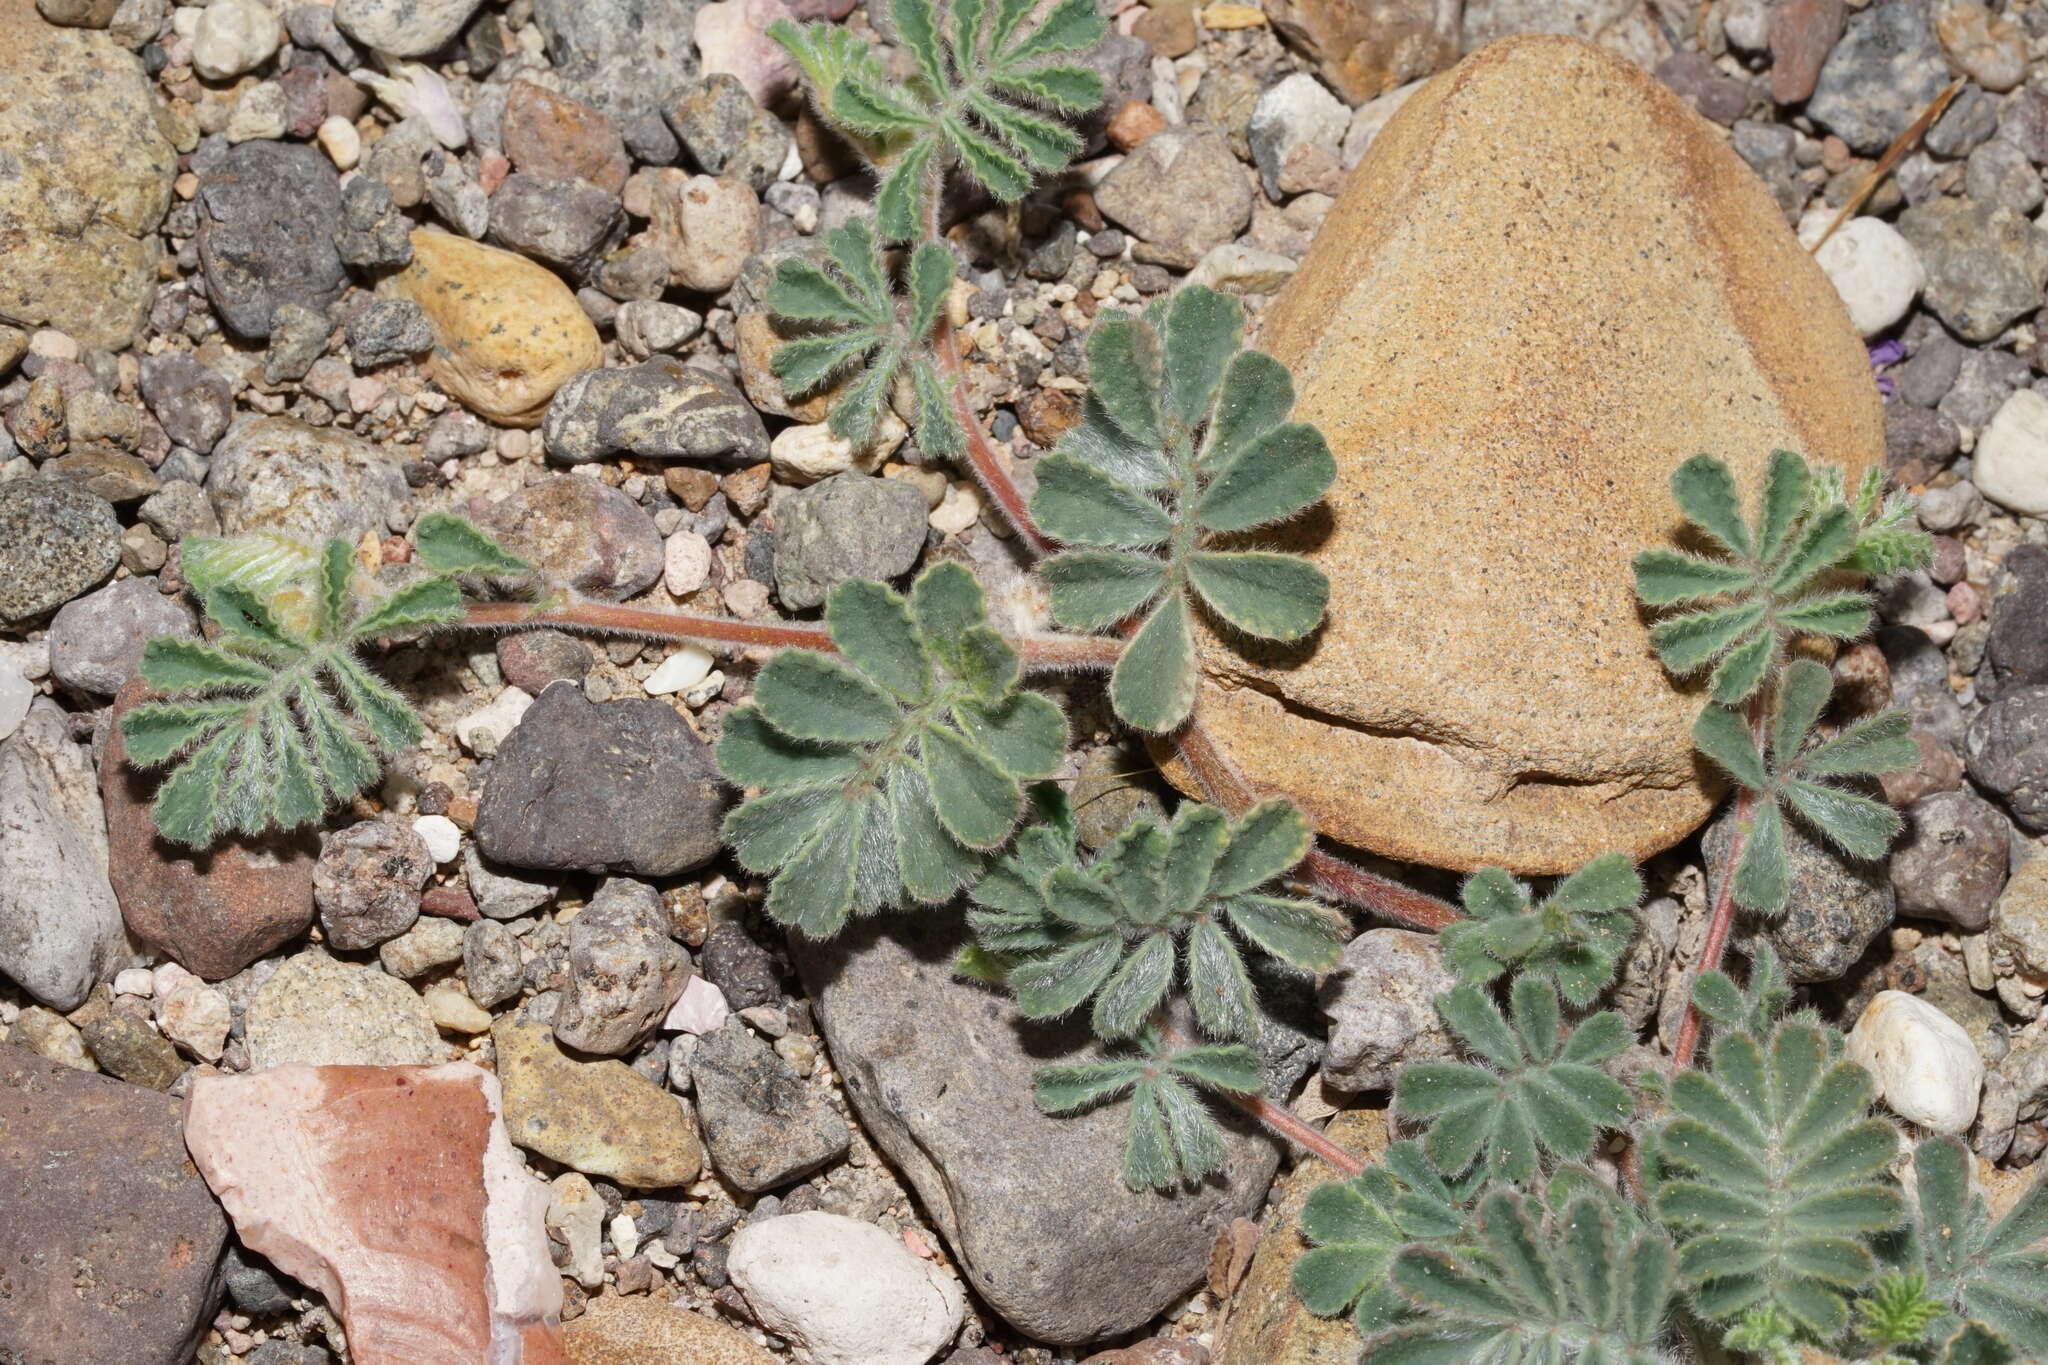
(179,509)
(1970,118)
(491,963)
(647,327)
(313,27)
(1035,1209)
(431,942)
(567,223)
(1925,379)
(1951,862)
(368,881)
(2017,650)
(1918,442)
(848,526)
(455,196)
(314,483)
(764,1127)
(1181,192)
(1999,173)
(1985,264)
(114,1241)
(96,641)
(266,219)
(1983,382)
(2019,923)
(253,1287)
(1887,67)
(403,28)
(316,1011)
(743,970)
(190,401)
(1294,120)
(577,531)
(2007,753)
(60,926)
(624,970)
(661,409)
(298,338)
(370,232)
(2023,121)
(57,540)
(1836,907)
(626,787)
(727,134)
(1381,1007)
(1919,676)
(500,893)
(388,331)
(627,57)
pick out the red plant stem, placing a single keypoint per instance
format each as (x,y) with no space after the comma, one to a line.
(982,458)
(1719,919)
(1334,877)
(1040,653)
(1282,1121)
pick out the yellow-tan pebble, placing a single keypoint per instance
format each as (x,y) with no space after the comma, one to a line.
(507,332)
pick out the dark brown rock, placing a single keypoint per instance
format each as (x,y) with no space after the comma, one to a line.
(113,1244)
(624,787)
(213,912)
(1802,33)
(549,134)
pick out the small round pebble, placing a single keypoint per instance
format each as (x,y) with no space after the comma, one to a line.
(443,836)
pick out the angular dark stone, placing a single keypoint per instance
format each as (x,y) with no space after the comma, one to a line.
(763,1126)
(2017,650)
(2007,752)
(1953,859)
(735,962)
(266,224)
(113,1243)
(851,525)
(1836,907)
(626,787)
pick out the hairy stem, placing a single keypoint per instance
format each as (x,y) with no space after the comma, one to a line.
(982,457)
(1040,653)
(1281,1120)
(1336,878)
(1721,914)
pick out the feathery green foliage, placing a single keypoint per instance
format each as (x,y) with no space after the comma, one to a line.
(276,719)
(1897,1311)
(889,770)
(1170,1136)
(1533,1088)
(1770,1171)
(1973,1271)
(1357,1227)
(1183,442)
(849,309)
(1774,576)
(1159,904)
(1580,1280)
(987,74)
(1790,772)
(1575,937)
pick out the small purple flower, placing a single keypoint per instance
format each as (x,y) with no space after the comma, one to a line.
(1882,355)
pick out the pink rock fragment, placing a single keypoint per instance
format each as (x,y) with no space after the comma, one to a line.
(395,1193)
(732,37)
(700,1009)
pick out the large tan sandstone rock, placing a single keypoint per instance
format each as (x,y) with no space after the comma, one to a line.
(1547,284)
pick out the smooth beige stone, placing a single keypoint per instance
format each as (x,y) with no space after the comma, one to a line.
(507,332)
(1548,283)
(635,1330)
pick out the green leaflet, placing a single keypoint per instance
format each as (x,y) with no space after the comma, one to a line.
(1777,576)
(1183,440)
(905,751)
(1538,1092)
(266,726)
(1771,1175)
(1576,937)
